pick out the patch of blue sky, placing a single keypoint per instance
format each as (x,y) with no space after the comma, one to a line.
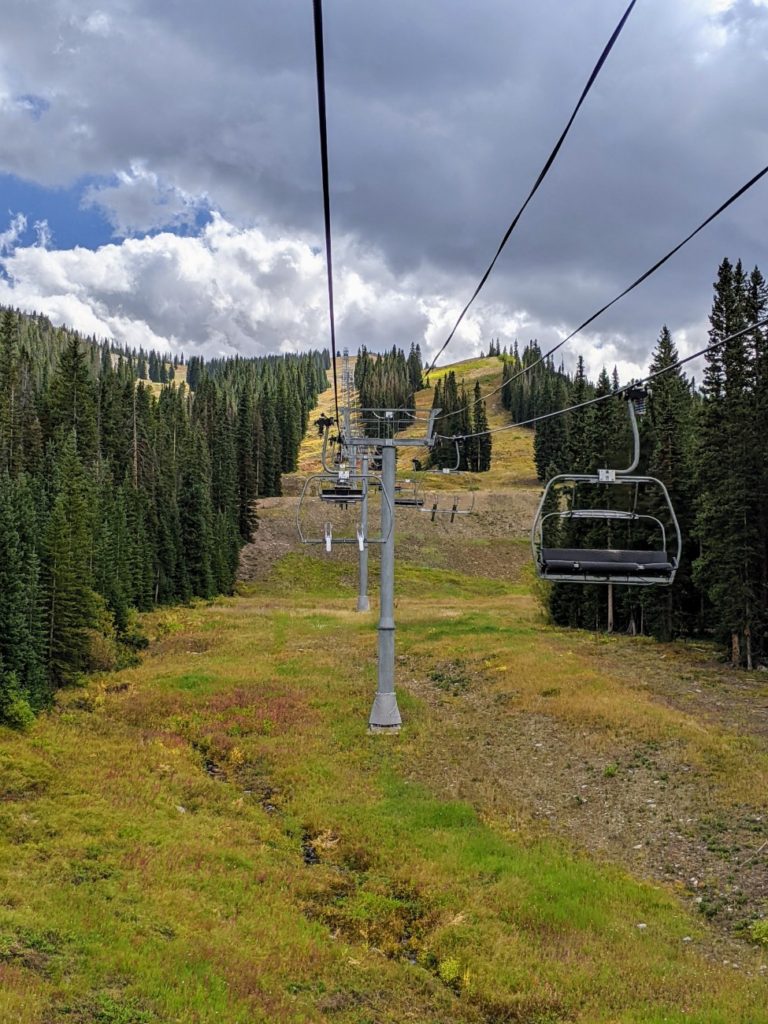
(36,106)
(203,216)
(69,223)
(72,222)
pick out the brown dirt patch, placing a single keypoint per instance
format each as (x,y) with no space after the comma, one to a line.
(638,804)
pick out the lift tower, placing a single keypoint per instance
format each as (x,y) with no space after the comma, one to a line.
(382,429)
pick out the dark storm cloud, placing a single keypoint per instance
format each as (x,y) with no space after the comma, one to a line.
(440,115)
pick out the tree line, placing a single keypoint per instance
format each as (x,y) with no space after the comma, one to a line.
(464,419)
(117,495)
(709,444)
(391,380)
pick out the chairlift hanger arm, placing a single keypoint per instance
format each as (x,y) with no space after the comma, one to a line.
(324,450)
(454,468)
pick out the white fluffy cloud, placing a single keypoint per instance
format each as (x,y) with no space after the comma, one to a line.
(233,290)
(12,233)
(226,290)
(139,201)
(439,117)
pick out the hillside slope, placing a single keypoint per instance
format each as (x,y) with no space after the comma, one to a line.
(568,829)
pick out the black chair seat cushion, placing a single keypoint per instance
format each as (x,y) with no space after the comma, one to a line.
(609,561)
(341,494)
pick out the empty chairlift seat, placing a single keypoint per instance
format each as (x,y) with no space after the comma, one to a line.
(629,565)
(342,493)
(632,509)
(610,562)
(342,490)
(408,495)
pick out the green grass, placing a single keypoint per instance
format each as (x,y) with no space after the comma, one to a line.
(468,369)
(212,836)
(139,888)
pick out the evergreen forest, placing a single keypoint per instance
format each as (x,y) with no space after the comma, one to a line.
(708,443)
(122,487)
(391,380)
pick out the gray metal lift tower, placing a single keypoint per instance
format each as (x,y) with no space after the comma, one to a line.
(382,427)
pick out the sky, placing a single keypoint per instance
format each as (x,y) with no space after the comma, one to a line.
(160,176)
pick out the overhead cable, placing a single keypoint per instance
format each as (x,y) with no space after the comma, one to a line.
(320,68)
(542,175)
(643,277)
(609,394)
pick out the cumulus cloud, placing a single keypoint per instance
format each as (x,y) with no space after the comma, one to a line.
(226,290)
(232,290)
(140,201)
(13,233)
(440,116)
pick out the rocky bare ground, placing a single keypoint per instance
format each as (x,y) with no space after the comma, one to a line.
(636,803)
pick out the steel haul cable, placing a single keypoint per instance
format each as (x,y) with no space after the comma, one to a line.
(611,394)
(542,175)
(643,277)
(320,68)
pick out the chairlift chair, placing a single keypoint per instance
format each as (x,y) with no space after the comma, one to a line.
(630,565)
(449,504)
(318,486)
(408,494)
(452,505)
(341,490)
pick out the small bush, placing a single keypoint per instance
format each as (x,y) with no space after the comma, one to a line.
(15,709)
(759,932)
(449,971)
(103,652)
(133,635)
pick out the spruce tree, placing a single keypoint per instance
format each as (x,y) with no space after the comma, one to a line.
(11,439)
(70,596)
(72,401)
(196,515)
(483,442)
(728,516)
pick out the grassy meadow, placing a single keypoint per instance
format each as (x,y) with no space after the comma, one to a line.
(212,836)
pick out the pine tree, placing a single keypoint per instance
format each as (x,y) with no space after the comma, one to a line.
(728,518)
(756,302)
(579,425)
(196,515)
(11,439)
(248,482)
(70,595)
(484,442)
(666,442)
(72,401)
(550,441)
